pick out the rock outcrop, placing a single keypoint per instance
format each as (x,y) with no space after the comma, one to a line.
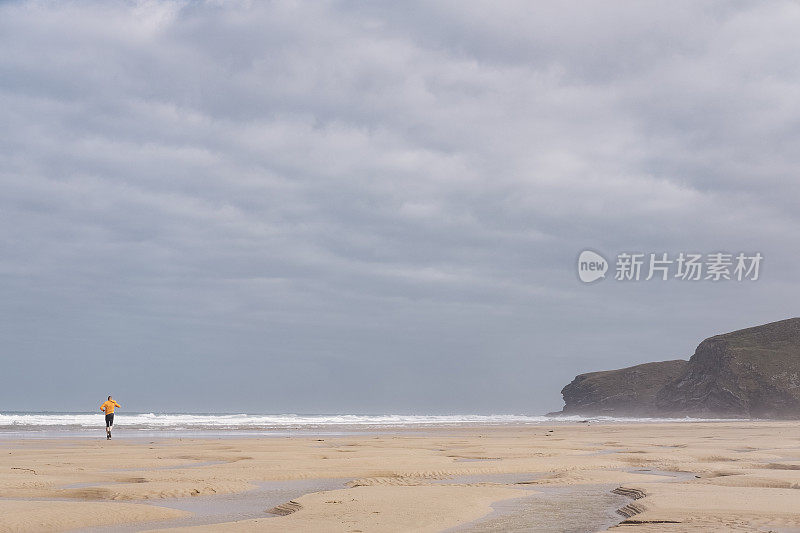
(628,391)
(750,373)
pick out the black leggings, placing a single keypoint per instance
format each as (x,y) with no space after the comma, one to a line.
(109,420)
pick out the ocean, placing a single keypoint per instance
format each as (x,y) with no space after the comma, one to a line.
(47,424)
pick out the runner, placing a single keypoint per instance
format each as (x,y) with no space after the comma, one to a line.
(108,408)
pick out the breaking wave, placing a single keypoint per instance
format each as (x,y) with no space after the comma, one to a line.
(231,422)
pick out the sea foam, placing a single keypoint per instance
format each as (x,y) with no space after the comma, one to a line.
(17,421)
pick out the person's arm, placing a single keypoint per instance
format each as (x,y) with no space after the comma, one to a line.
(115,403)
(103,408)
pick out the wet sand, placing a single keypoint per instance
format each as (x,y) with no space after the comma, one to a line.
(664,477)
(574,508)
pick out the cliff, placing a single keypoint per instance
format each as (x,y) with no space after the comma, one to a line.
(750,373)
(625,392)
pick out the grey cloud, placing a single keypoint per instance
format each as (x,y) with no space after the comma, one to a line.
(359,203)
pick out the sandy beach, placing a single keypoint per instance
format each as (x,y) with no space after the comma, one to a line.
(676,477)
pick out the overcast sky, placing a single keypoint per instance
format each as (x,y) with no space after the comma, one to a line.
(346,207)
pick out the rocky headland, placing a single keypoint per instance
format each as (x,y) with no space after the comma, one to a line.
(749,373)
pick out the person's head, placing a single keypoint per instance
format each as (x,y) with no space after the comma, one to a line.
(109,397)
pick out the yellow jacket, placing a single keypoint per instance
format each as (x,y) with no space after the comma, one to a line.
(109,406)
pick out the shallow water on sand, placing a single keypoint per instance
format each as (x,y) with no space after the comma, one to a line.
(228,507)
(572,509)
(567,509)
